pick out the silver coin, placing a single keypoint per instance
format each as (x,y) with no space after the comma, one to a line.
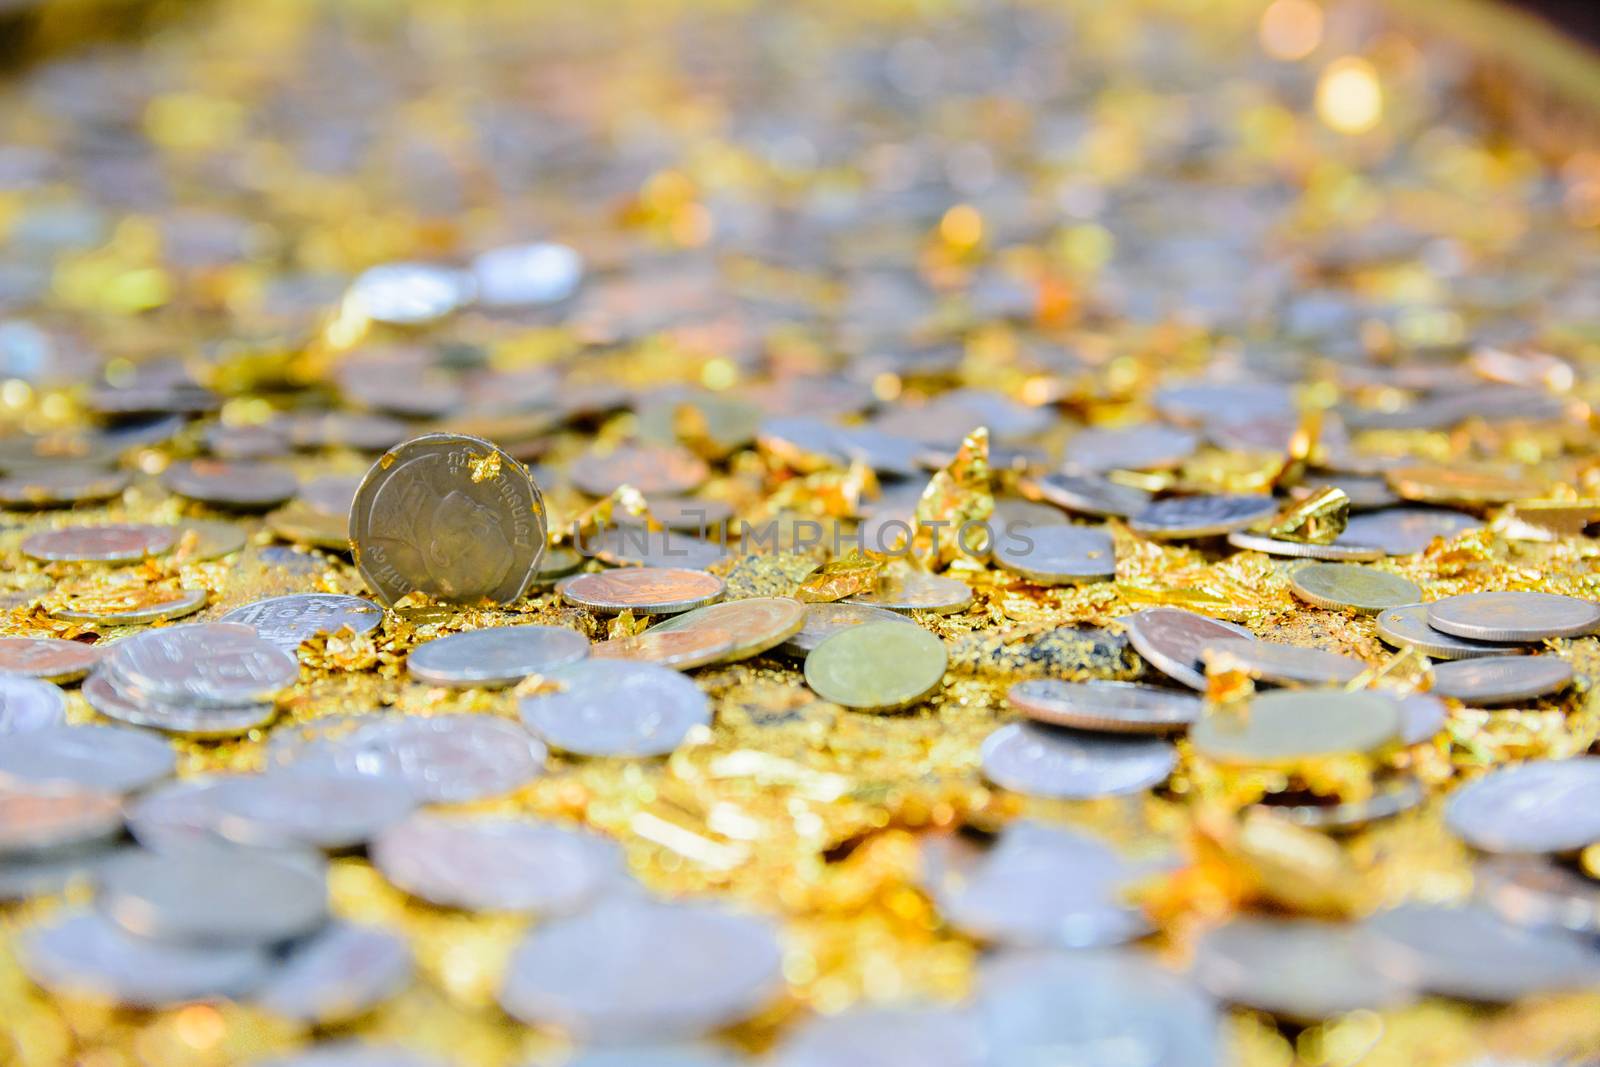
(1473,954)
(286,621)
(185,720)
(1201,516)
(1422,716)
(29,704)
(527,275)
(38,822)
(499,656)
(285,808)
(1173,640)
(81,953)
(1388,799)
(479,864)
(202,665)
(638,969)
(1037,887)
(352,1054)
(408,294)
(1405,531)
(184,602)
(337,974)
(1407,627)
(93,757)
(445,759)
(824,620)
(617,708)
(1110,707)
(1501,679)
(1533,891)
(1044,761)
(249,897)
(1549,806)
(1282,664)
(1513,616)
(48,659)
(885,1037)
(1088,495)
(1339,550)
(1149,447)
(1057,555)
(1303,970)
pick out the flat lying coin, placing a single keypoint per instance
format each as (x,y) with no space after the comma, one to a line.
(682,650)
(648,590)
(927,1037)
(1045,761)
(1513,616)
(915,591)
(201,665)
(1501,679)
(1109,707)
(824,620)
(1535,892)
(1406,531)
(234,486)
(339,973)
(1345,586)
(616,708)
(451,516)
(654,470)
(30,704)
(1473,954)
(1550,806)
(251,897)
(877,667)
(635,969)
(113,758)
(500,656)
(33,822)
(1088,495)
(445,759)
(1057,555)
(756,623)
(458,861)
(1173,640)
(1408,627)
(180,718)
(285,808)
(1201,516)
(286,621)
(153,609)
(99,544)
(48,659)
(1301,969)
(1282,664)
(1284,726)
(1338,550)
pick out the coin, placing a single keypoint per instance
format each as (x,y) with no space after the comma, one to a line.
(50,487)
(252,897)
(1338,550)
(83,954)
(1057,555)
(1282,664)
(1513,616)
(341,972)
(1173,640)
(1345,586)
(616,708)
(757,624)
(155,608)
(1285,726)
(1407,627)
(1405,531)
(445,759)
(29,704)
(233,486)
(477,864)
(1550,806)
(100,544)
(450,516)
(47,659)
(1087,495)
(113,758)
(287,621)
(500,656)
(648,590)
(1473,954)
(878,666)
(1501,679)
(916,591)
(286,808)
(654,470)
(203,664)
(1108,707)
(41,821)
(681,650)
(1303,970)
(1532,891)
(633,969)
(925,1036)
(1201,516)
(823,620)
(179,717)
(1045,761)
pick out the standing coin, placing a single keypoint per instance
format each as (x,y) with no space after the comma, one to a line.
(450,516)
(617,708)
(1405,531)
(1285,726)
(682,650)
(33,822)
(100,544)
(824,620)
(877,667)
(500,656)
(1173,640)
(1549,806)
(48,659)
(1501,679)
(1057,555)
(29,704)
(1301,969)
(1472,954)
(915,591)
(1513,616)
(233,486)
(1201,516)
(1088,495)
(1345,586)
(1107,707)
(649,590)
(756,623)
(88,757)
(251,897)
(1283,664)
(1044,761)
(1407,627)
(286,621)
(341,972)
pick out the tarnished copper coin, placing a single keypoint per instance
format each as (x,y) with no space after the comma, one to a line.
(119,543)
(48,658)
(1173,640)
(1513,616)
(1347,587)
(1283,664)
(649,590)
(1501,679)
(651,469)
(682,650)
(233,486)
(757,623)
(1108,707)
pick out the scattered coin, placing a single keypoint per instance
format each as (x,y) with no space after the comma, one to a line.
(100,544)
(1284,726)
(495,657)
(30,704)
(1501,679)
(654,470)
(1088,495)
(757,624)
(1282,664)
(445,759)
(616,708)
(879,666)
(1549,806)
(156,607)
(1201,516)
(648,590)
(1407,627)
(286,621)
(682,650)
(1045,761)
(252,897)
(1513,616)
(48,659)
(916,591)
(1345,586)
(824,620)
(42,821)
(233,486)
(1107,707)
(1405,531)
(341,972)
(113,758)
(1174,640)
(1303,970)
(1337,551)
(1057,555)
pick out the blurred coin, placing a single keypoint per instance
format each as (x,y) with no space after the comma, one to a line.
(48,659)
(204,664)
(1548,806)
(1282,664)
(1285,726)
(681,650)
(1338,550)
(175,717)
(251,897)
(445,759)
(1405,531)
(616,708)
(478,864)
(1057,555)
(756,623)
(494,657)
(651,469)
(1200,516)
(916,591)
(1407,627)
(1513,616)
(49,487)
(1346,586)
(884,1037)
(36,821)
(1107,707)
(450,516)
(1303,970)
(879,666)
(340,972)
(633,969)
(1501,679)
(649,590)
(100,544)
(286,621)
(156,609)
(1045,761)
(823,620)
(1149,447)
(286,808)
(1389,798)
(113,758)
(29,703)
(233,486)
(1536,892)
(1173,640)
